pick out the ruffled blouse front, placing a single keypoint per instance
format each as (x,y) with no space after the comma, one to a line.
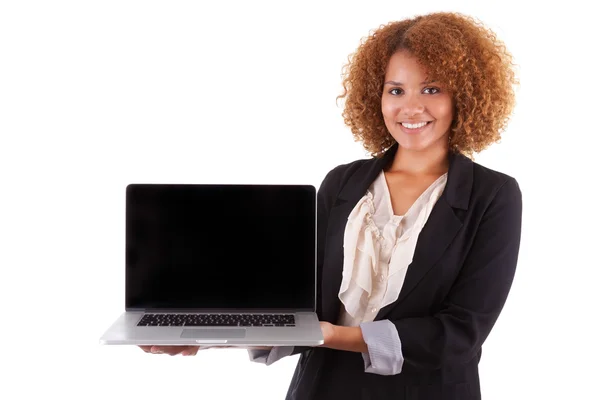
(378,248)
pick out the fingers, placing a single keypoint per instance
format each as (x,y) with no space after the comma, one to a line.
(172,350)
(190,351)
(175,350)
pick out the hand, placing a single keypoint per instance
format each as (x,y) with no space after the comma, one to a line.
(347,338)
(175,350)
(328,330)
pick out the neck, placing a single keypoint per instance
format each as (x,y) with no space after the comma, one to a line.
(432,161)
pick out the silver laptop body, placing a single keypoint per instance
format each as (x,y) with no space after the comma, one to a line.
(230,265)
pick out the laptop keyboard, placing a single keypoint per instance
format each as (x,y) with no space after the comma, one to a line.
(285,320)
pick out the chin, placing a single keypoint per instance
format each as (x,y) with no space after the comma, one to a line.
(412,146)
(421,144)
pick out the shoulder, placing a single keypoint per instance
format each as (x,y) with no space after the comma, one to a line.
(335,178)
(483,175)
(342,172)
(492,184)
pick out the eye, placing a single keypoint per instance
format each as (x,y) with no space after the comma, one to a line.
(395,91)
(432,90)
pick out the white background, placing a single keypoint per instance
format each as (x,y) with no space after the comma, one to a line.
(98,94)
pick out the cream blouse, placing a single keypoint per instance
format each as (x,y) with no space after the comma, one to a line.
(378,248)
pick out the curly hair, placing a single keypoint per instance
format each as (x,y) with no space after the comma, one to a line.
(458,52)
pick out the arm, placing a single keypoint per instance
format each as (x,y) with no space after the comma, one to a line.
(455,333)
(325,199)
(326,196)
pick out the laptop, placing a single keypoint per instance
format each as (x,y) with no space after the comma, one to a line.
(217,264)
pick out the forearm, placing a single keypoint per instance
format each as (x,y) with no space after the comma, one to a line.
(346,338)
(378,343)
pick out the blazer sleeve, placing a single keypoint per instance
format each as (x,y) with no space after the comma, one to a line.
(457,331)
(271,356)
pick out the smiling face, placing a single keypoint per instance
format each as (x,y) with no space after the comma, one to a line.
(417,113)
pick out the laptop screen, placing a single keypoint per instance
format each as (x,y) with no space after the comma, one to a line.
(220,246)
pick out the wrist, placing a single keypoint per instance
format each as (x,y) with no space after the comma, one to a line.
(337,334)
(347,338)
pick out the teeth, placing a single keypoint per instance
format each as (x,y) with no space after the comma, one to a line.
(414,126)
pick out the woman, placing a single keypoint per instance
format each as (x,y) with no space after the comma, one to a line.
(417,246)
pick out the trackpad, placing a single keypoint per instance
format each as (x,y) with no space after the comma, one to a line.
(213,333)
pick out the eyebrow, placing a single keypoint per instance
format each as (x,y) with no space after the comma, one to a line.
(401,84)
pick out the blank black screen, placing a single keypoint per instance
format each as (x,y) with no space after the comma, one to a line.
(220,246)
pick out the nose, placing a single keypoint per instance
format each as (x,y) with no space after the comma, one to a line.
(412,105)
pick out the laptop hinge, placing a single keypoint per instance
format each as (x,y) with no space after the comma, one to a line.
(220,311)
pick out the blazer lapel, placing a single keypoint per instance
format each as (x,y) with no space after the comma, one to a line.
(352,191)
(441,227)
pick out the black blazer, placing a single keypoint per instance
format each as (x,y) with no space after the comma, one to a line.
(454,290)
